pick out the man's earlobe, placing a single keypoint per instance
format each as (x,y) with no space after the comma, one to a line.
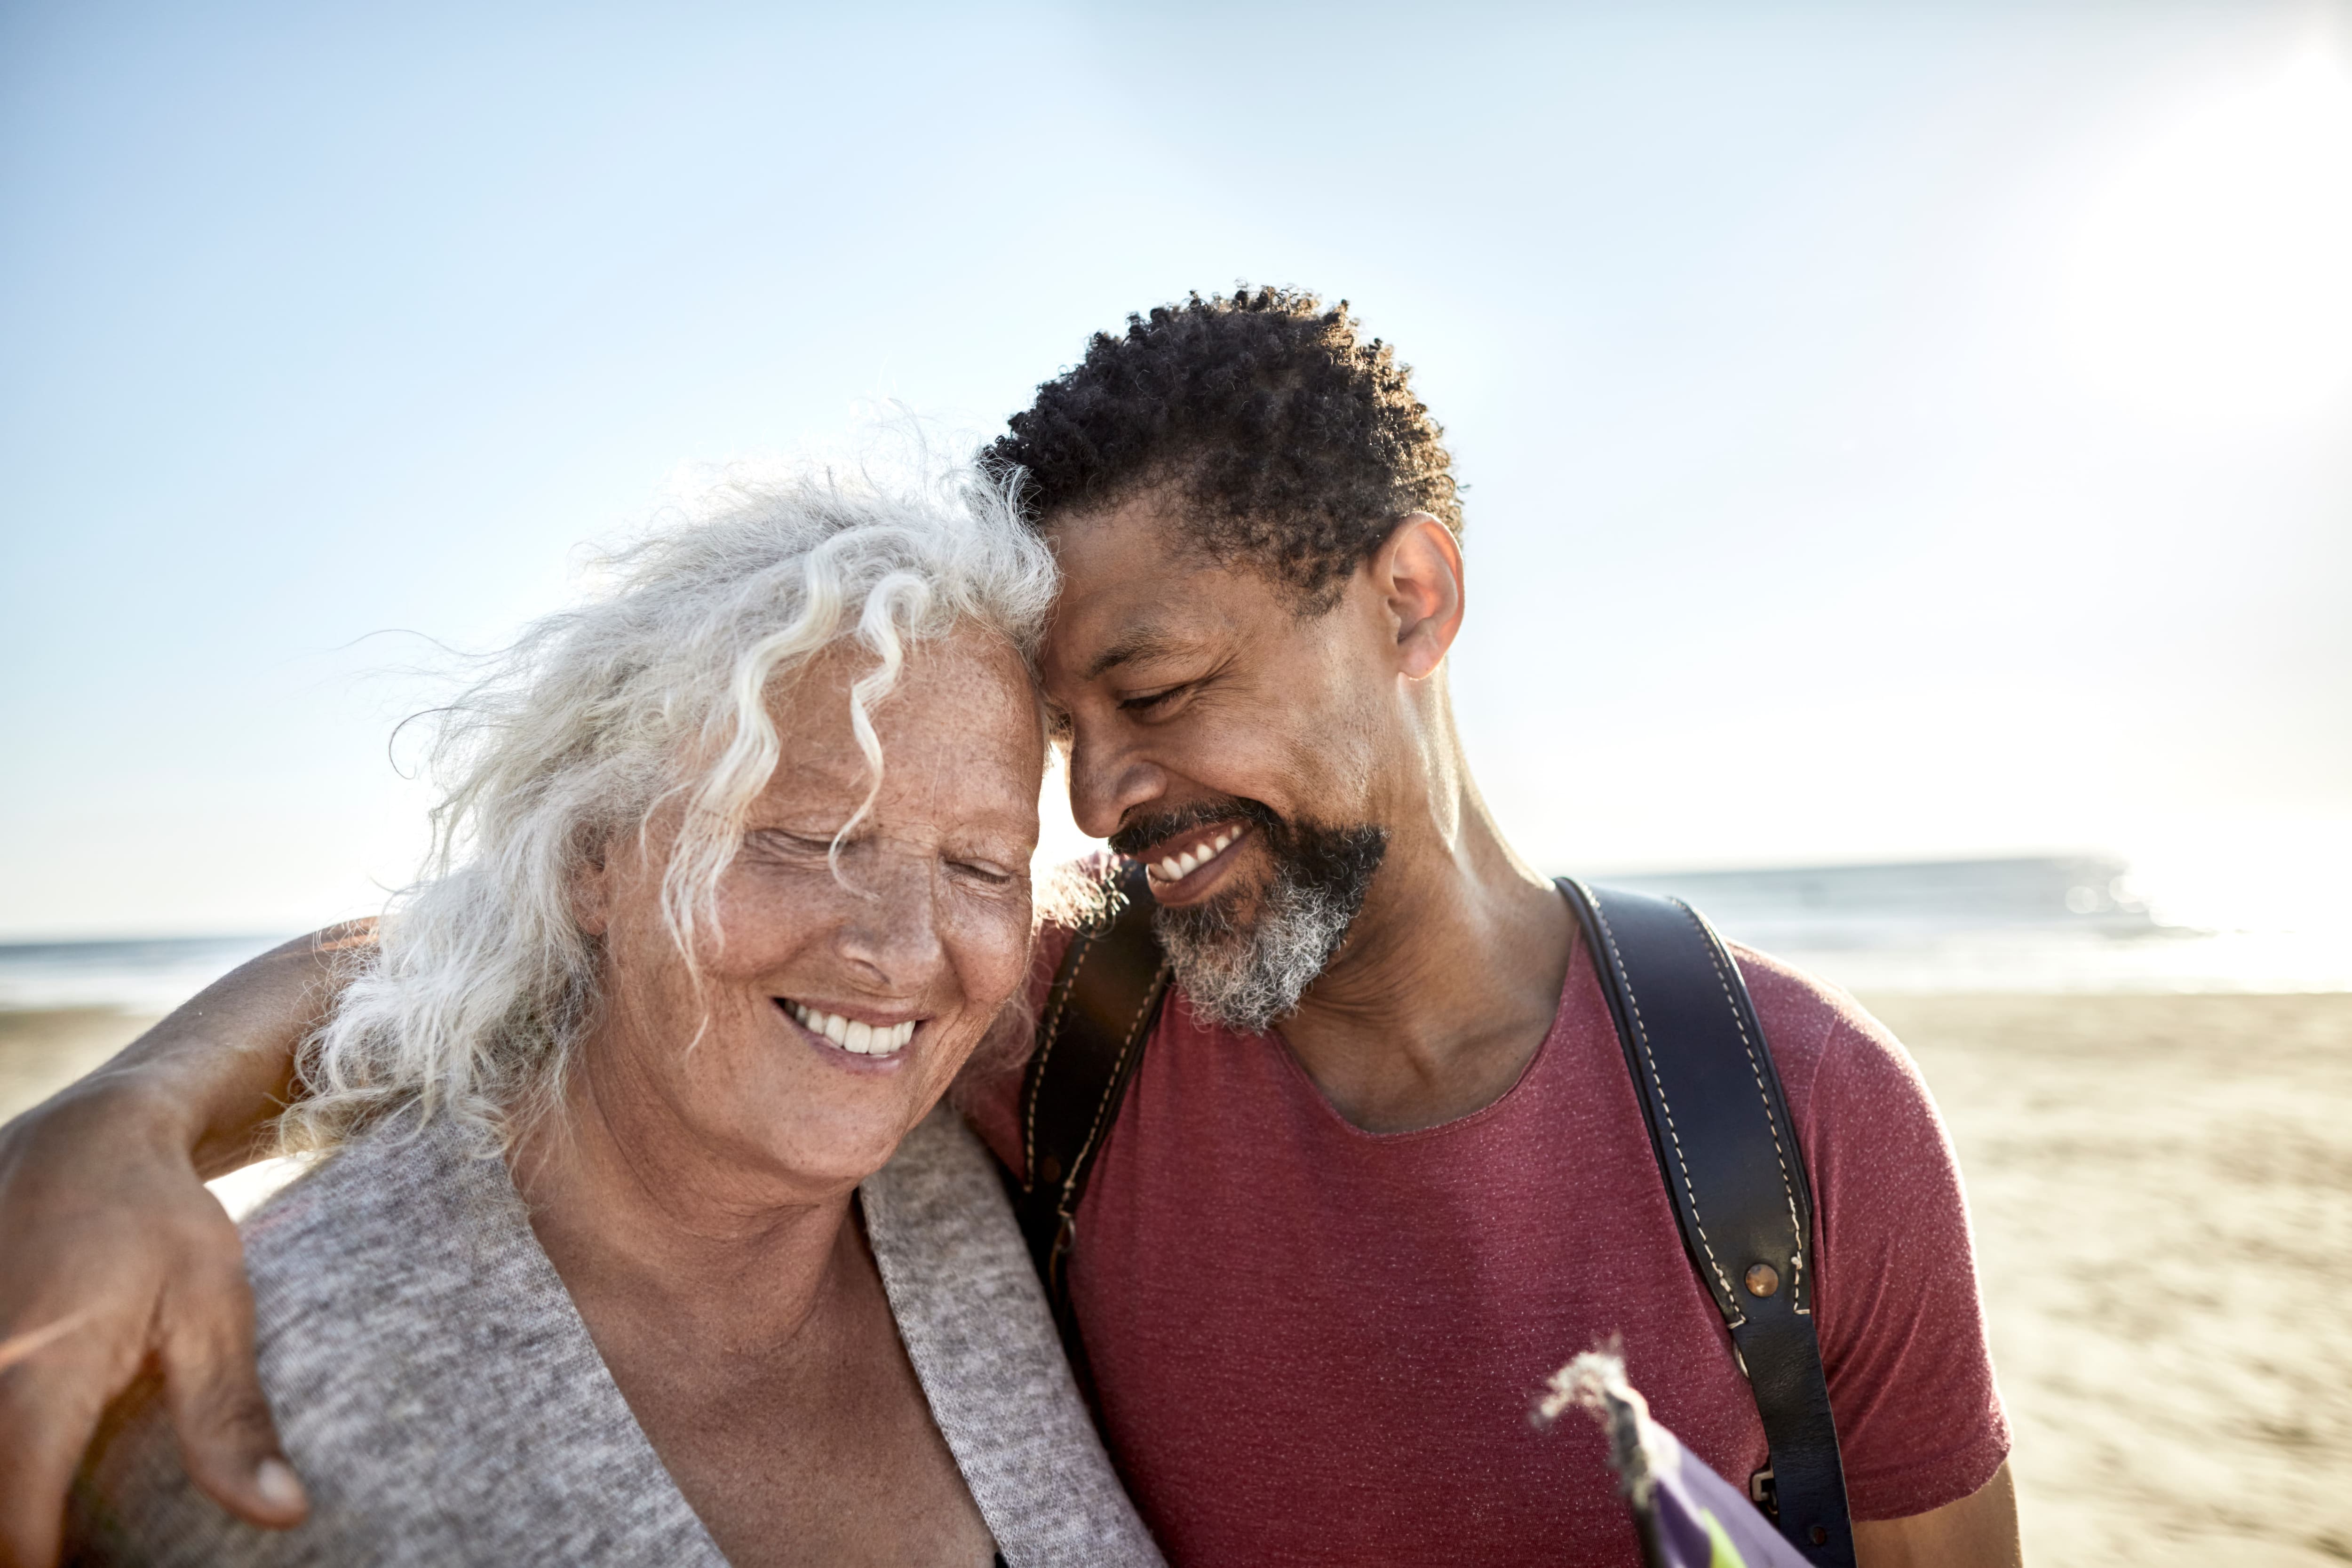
(1420,569)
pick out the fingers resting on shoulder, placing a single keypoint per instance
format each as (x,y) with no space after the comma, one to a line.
(118,1263)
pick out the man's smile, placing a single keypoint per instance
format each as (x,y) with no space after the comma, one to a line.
(1185,866)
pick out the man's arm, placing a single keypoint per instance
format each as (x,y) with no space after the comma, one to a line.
(118,1259)
(1978,1532)
(1923,1437)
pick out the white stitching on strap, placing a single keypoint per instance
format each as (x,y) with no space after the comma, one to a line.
(1053,1032)
(1111,1087)
(1642,1039)
(1788,1186)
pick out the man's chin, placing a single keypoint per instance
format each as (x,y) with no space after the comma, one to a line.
(1247,947)
(1244,965)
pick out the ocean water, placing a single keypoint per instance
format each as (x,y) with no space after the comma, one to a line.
(2038,923)
(2047,923)
(152,976)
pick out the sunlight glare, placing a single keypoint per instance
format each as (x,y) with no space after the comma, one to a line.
(2211,281)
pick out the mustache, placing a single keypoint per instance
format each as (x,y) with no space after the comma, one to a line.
(1141,832)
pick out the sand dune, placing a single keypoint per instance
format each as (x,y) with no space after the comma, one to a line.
(2162,1188)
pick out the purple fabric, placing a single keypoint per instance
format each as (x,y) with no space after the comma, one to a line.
(1697,1513)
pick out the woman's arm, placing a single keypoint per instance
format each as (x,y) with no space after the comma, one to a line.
(117,1258)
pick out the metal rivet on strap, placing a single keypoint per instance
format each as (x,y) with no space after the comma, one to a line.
(1761,1280)
(1049,1171)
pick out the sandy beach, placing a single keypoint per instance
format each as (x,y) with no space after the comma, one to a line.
(41,1052)
(2162,1191)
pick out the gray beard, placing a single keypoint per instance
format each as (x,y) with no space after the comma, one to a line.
(1248,975)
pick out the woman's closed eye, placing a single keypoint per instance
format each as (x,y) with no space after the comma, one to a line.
(777,843)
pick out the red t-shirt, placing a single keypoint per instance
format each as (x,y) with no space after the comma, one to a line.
(1314,1344)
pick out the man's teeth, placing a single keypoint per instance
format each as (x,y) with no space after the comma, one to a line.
(1192,859)
(865,1039)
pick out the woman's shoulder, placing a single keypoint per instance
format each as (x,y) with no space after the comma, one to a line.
(406,1257)
(431,1380)
(403,1205)
(977,1328)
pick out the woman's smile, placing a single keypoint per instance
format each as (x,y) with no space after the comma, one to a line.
(870,1037)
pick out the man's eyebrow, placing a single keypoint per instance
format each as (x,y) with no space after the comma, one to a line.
(1144,642)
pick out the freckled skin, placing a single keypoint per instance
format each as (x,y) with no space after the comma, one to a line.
(696,1203)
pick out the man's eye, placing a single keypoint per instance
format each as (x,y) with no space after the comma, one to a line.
(1149,700)
(994,875)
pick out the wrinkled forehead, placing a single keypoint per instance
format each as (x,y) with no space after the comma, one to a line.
(1134,588)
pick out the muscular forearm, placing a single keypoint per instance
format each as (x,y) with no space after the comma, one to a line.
(213,1076)
(119,1260)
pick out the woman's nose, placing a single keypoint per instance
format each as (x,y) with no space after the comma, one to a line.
(891,924)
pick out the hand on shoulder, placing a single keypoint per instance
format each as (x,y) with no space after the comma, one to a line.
(118,1257)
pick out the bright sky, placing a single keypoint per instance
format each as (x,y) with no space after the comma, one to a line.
(1903,430)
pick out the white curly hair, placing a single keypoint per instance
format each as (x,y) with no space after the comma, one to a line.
(654,695)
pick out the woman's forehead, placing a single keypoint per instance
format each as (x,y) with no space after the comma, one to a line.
(959,732)
(966,689)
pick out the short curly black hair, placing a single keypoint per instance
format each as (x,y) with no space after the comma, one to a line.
(1295,444)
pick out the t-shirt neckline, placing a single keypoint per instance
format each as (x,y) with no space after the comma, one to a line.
(1577,964)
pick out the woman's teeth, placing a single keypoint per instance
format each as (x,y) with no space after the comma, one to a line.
(1179,866)
(863,1039)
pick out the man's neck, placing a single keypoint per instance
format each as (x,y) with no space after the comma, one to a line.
(1449,981)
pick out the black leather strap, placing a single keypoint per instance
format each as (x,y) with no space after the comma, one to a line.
(1097,1019)
(1719,1126)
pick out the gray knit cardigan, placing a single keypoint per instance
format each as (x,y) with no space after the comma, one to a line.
(436,1388)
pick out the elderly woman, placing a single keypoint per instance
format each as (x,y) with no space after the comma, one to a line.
(642,1238)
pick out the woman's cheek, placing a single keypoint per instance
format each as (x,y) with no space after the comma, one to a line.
(993,950)
(758,905)
(1010,950)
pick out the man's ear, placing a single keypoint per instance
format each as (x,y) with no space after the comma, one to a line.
(1419,573)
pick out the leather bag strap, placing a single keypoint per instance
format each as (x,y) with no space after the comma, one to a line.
(1098,1015)
(1719,1127)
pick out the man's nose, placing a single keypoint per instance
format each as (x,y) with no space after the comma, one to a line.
(1110,778)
